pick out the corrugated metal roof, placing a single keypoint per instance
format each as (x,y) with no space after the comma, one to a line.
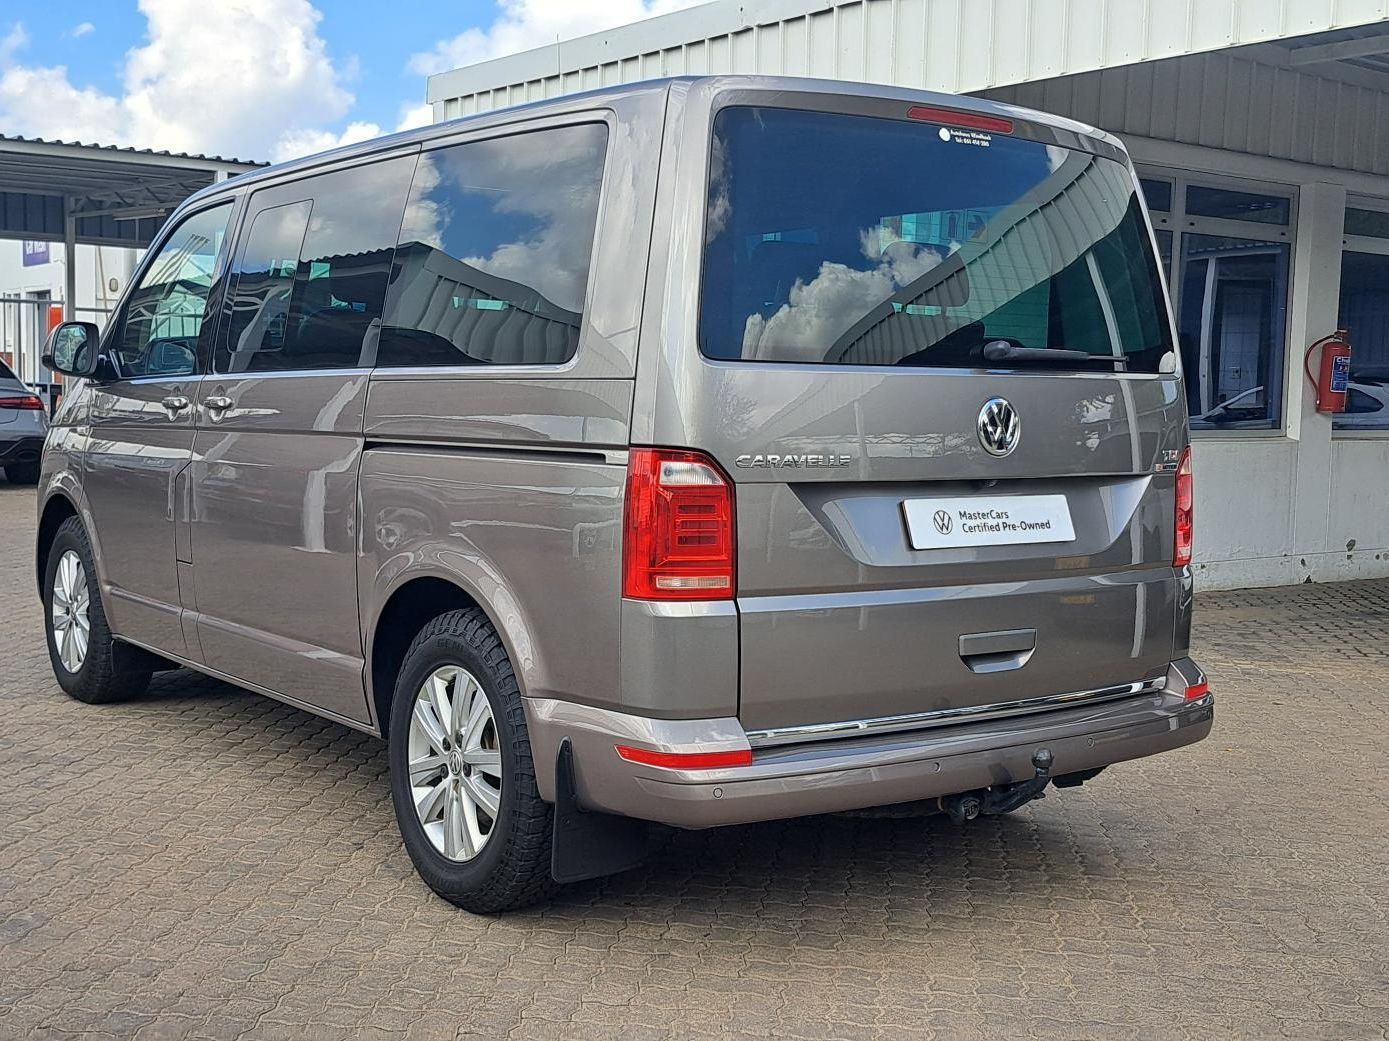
(119,195)
(134,151)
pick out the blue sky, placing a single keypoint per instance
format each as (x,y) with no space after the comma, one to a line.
(358,33)
(264,79)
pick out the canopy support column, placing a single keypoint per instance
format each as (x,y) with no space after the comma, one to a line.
(69,260)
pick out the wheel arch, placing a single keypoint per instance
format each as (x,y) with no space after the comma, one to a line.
(408,607)
(57,509)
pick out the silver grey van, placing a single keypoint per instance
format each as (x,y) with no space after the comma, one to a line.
(690,453)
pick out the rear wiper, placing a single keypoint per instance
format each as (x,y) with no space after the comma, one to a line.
(1001,350)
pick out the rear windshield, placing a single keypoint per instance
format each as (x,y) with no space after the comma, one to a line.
(5,373)
(850,240)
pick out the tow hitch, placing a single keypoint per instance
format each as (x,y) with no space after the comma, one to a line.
(1004,797)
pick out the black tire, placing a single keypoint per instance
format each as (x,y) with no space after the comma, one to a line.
(99,680)
(22,473)
(513,869)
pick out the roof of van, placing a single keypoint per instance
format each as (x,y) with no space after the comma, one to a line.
(583,99)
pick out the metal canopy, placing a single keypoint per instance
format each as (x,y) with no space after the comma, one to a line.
(97,195)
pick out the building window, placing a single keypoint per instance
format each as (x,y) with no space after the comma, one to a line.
(1364,313)
(1157,193)
(1373,224)
(1230,326)
(1227,257)
(1232,205)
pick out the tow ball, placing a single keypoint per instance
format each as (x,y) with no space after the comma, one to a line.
(1004,797)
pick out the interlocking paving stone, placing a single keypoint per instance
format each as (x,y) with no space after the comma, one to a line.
(205,863)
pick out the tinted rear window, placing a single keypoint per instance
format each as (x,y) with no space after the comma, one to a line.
(836,239)
(5,373)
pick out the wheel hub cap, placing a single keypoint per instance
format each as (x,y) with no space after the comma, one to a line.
(69,611)
(455,763)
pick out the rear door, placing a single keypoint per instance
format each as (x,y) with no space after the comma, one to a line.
(935,358)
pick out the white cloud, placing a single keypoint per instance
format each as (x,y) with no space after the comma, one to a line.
(82,29)
(268,51)
(41,102)
(175,96)
(533,23)
(12,43)
(412,116)
(295,143)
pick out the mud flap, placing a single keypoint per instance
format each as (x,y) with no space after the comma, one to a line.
(586,844)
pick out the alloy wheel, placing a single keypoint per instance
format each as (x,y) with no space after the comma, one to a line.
(72,627)
(455,763)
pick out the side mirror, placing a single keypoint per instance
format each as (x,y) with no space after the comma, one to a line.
(72,349)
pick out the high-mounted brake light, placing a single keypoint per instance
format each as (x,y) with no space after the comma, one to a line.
(968,120)
(686,760)
(28,403)
(677,531)
(1186,512)
(1197,691)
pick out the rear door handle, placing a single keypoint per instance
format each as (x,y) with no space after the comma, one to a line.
(174,404)
(216,405)
(998,651)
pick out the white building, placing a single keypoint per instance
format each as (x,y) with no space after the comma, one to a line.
(32,273)
(1261,128)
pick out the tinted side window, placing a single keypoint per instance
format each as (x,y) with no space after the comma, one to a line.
(312,271)
(260,303)
(164,318)
(493,259)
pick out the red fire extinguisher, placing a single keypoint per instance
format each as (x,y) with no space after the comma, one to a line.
(1332,381)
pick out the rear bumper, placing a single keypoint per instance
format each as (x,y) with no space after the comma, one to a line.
(24,449)
(849,773)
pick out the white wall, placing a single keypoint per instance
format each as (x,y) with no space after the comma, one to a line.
(1306,503)
(96,267)
(952,45)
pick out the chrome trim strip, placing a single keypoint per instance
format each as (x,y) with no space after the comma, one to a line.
(939,717)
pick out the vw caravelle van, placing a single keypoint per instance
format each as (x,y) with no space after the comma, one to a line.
(696,452)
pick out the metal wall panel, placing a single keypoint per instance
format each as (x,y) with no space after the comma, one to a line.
(965,46)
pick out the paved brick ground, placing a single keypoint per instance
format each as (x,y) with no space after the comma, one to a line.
(207,863)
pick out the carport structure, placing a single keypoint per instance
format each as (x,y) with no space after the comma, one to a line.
(73,193)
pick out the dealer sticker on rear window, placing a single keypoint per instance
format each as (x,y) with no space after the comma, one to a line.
(966,137)
(1006,520)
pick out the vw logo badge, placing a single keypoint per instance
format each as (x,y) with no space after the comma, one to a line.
(999,427)
(942,521)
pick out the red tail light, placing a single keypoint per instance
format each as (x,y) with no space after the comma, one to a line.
(1186,512)
(677,535)
(687,760)
(1197,691)
(29,403)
